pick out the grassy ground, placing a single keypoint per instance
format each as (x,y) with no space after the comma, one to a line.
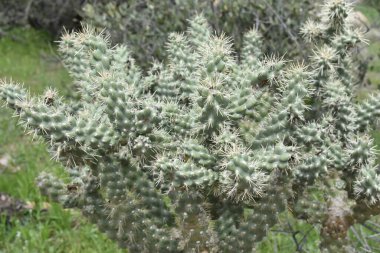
(29,58)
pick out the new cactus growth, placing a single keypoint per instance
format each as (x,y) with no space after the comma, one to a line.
(205,151)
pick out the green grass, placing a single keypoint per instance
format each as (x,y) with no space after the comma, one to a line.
(370,13)
(28,57)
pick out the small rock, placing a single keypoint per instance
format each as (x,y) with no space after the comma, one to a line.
(10,206)
(6,164)
(4,161)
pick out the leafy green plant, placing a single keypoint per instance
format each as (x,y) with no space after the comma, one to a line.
(205,151)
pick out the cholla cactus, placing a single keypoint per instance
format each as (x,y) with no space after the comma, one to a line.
(204,152)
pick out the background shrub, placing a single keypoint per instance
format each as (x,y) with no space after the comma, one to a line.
(145,24)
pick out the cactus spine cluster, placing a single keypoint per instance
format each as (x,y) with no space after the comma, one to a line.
(203,152)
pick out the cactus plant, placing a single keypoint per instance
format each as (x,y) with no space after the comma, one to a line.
(204,152)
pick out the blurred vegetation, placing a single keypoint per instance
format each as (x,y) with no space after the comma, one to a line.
(372,53)
(51,16)
(373,4)
(145,24)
